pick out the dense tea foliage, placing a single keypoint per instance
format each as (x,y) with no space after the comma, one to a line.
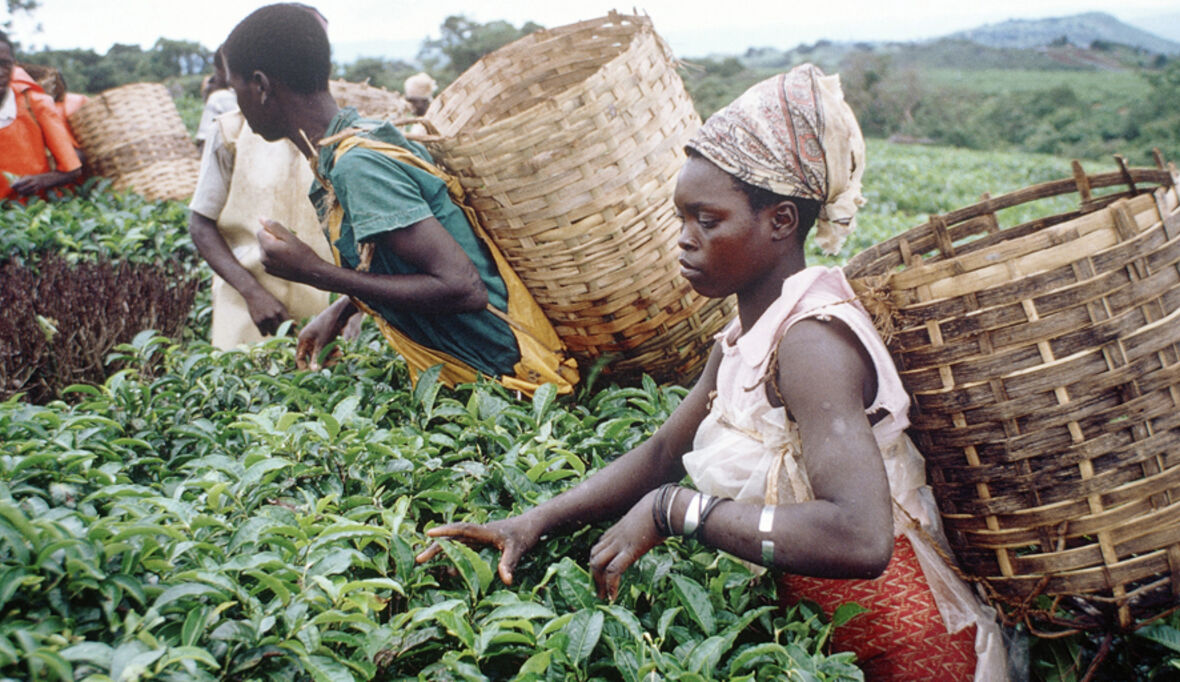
(201,515)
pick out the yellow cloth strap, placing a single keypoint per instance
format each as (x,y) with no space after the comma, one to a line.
(542,354)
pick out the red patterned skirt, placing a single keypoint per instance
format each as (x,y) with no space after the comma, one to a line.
(902,636)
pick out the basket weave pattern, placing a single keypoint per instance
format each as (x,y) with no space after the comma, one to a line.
(1044,364)
(370,101)
(568,142)
(133,134)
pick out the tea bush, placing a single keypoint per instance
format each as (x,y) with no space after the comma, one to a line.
(83,274)
(201,515)
(59,321)
(95,222)
(210,515)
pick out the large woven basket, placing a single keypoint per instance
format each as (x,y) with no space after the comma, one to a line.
(133,134)
(1044,363)
(569,142)
(370,101)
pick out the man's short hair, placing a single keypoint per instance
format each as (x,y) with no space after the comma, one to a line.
(286,42)
(7,41)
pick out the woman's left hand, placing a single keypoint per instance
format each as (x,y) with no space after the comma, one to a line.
(622,545)
(285,255)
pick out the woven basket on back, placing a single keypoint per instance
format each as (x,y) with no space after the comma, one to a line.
(1044,364)
(133,134)
(369,100)
(569,142)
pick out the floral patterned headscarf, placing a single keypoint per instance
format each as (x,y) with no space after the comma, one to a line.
(794,134)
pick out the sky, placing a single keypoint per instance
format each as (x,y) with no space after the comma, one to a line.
(694,28)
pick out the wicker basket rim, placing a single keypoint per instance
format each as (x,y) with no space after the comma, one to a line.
(540,40)
(1159,177)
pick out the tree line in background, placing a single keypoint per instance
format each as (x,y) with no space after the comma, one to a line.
(1029,100)
(181,63)
(964,95)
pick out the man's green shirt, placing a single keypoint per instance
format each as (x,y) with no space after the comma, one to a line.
(378,195)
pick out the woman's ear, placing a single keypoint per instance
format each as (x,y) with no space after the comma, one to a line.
(785,219)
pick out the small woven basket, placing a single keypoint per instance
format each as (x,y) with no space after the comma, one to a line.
(568,142)
(370,101)
(1044,364)
(133,134)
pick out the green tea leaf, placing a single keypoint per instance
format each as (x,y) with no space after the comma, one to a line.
(456,624)
(705,655)
(59,666)
(1161,633)
(537,664)
(584,631)
(696,602)
(186,653)
(757,656)
(846,612)
(627,619)
(525,610)
(324,669)
(183,591)
(194,625)
(666,619)
(542,400)
(98,653)
(476,572)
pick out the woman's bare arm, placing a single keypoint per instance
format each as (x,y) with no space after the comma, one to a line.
(847,530)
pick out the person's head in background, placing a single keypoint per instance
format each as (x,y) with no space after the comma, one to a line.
(219,79)
(7,64)
(278,61)
(419,92)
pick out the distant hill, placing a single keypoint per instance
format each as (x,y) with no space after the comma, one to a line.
(1079,29)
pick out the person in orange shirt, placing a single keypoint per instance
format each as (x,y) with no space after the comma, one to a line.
(30,124)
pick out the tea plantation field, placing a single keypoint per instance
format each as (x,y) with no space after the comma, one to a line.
(207,515)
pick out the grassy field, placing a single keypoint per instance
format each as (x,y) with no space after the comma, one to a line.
(1093,85)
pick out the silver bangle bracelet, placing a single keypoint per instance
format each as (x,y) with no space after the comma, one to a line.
(692,516)
(765,525)
(768,553)
(766,520)
(671,501)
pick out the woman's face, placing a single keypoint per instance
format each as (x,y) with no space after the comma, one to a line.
(725,246)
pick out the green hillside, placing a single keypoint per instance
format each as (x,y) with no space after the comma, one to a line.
(1081,30)
(1086,103)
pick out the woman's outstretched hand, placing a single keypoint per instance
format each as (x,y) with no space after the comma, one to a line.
(621,545)
(513,537)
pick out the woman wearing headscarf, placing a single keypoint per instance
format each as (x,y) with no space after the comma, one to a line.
(794,435)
